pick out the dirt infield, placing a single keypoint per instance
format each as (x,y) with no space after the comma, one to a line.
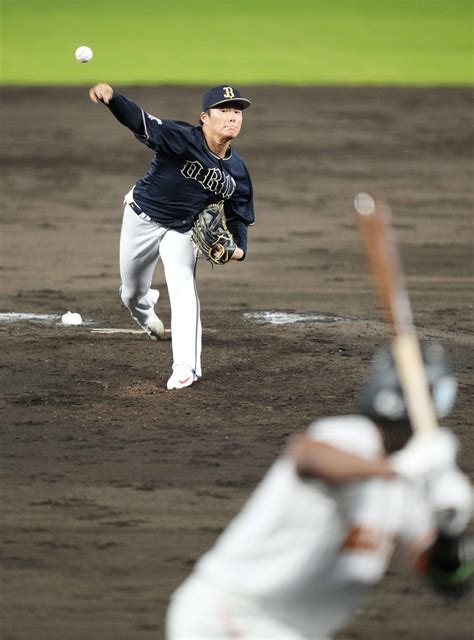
(111,486)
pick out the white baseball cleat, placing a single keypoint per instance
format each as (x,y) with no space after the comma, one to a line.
(155,330)
(154,296)
(182,376)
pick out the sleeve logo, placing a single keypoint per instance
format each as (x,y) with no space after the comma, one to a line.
(154,119)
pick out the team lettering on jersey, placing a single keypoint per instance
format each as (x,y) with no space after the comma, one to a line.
(212,179)
(361,539)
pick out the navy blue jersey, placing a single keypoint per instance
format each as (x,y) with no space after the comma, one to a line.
(185,176)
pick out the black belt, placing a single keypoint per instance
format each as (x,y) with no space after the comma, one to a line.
(134,206)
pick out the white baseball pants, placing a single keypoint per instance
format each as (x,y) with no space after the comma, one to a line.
(142,243)
(200,611)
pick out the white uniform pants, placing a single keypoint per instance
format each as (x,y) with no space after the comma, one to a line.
(200,611)
(142,243)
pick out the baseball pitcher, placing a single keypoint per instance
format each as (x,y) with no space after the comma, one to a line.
(196,199)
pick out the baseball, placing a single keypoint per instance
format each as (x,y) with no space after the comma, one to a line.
(83,54)
(364,204)
(71,318)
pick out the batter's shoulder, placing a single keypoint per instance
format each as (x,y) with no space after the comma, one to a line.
(354,433)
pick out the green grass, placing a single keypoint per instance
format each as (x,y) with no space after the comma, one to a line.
(421,42)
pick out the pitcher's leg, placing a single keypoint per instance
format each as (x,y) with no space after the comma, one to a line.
(199,330)
(139,253)
(179,261)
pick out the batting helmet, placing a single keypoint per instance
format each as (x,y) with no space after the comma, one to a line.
(382,396)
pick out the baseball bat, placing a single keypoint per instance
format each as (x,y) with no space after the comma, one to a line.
(374,218)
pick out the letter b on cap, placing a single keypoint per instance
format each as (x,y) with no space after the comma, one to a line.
(229,92)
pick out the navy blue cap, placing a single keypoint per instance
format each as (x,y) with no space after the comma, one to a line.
(220,95)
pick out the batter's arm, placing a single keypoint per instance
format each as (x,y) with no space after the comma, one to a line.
(319,460)
(422,456)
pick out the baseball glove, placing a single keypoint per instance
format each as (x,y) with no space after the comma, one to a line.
(211,236)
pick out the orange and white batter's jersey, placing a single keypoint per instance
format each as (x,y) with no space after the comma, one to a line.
(304,552)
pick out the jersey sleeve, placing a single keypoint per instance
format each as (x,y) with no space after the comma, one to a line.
(239,231)
(168,136)
(127,113)
(418,531)
(240,204)
(354,434)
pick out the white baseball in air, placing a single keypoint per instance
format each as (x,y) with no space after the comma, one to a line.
(364,204)
(83,54)
(71,318)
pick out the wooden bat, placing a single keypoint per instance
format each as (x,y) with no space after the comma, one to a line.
(374,218)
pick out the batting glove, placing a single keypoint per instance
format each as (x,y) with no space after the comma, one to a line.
(425,454)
